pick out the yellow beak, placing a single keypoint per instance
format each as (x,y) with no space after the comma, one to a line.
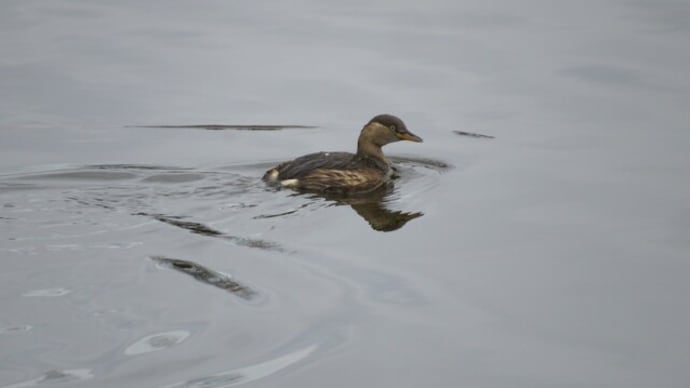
(410,137)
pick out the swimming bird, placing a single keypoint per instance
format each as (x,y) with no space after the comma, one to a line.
(344,172)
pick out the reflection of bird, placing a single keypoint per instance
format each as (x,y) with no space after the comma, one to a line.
(373,209)
(382,219)
(343,172)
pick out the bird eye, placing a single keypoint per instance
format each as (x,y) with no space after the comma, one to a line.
(393,127)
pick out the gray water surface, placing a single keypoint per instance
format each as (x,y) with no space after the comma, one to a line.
(141,249)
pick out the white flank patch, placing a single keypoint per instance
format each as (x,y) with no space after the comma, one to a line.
(273,175)
(289,182)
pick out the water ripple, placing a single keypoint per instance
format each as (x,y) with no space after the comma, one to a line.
(156,342)
(247,373)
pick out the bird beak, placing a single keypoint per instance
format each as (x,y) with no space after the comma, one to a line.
(410,137)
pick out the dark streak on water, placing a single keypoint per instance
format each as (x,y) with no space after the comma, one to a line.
(194,227)
(433,164)
(260,216)
(208,276)
(472,134)
(222,127)
(204,230)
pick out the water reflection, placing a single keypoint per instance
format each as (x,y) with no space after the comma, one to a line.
(373,209)
(374,206)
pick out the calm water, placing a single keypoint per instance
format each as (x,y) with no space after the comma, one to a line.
(555,255)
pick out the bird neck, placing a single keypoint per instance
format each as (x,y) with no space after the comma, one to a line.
(368,144)
(367,148)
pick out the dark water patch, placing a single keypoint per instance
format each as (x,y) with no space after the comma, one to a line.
(661,17)
(473,134)
(223,127)
(204,230)
(207,276)
(603,74)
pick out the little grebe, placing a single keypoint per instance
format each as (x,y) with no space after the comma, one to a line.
(344,172)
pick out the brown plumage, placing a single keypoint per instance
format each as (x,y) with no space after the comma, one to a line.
(344,172)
